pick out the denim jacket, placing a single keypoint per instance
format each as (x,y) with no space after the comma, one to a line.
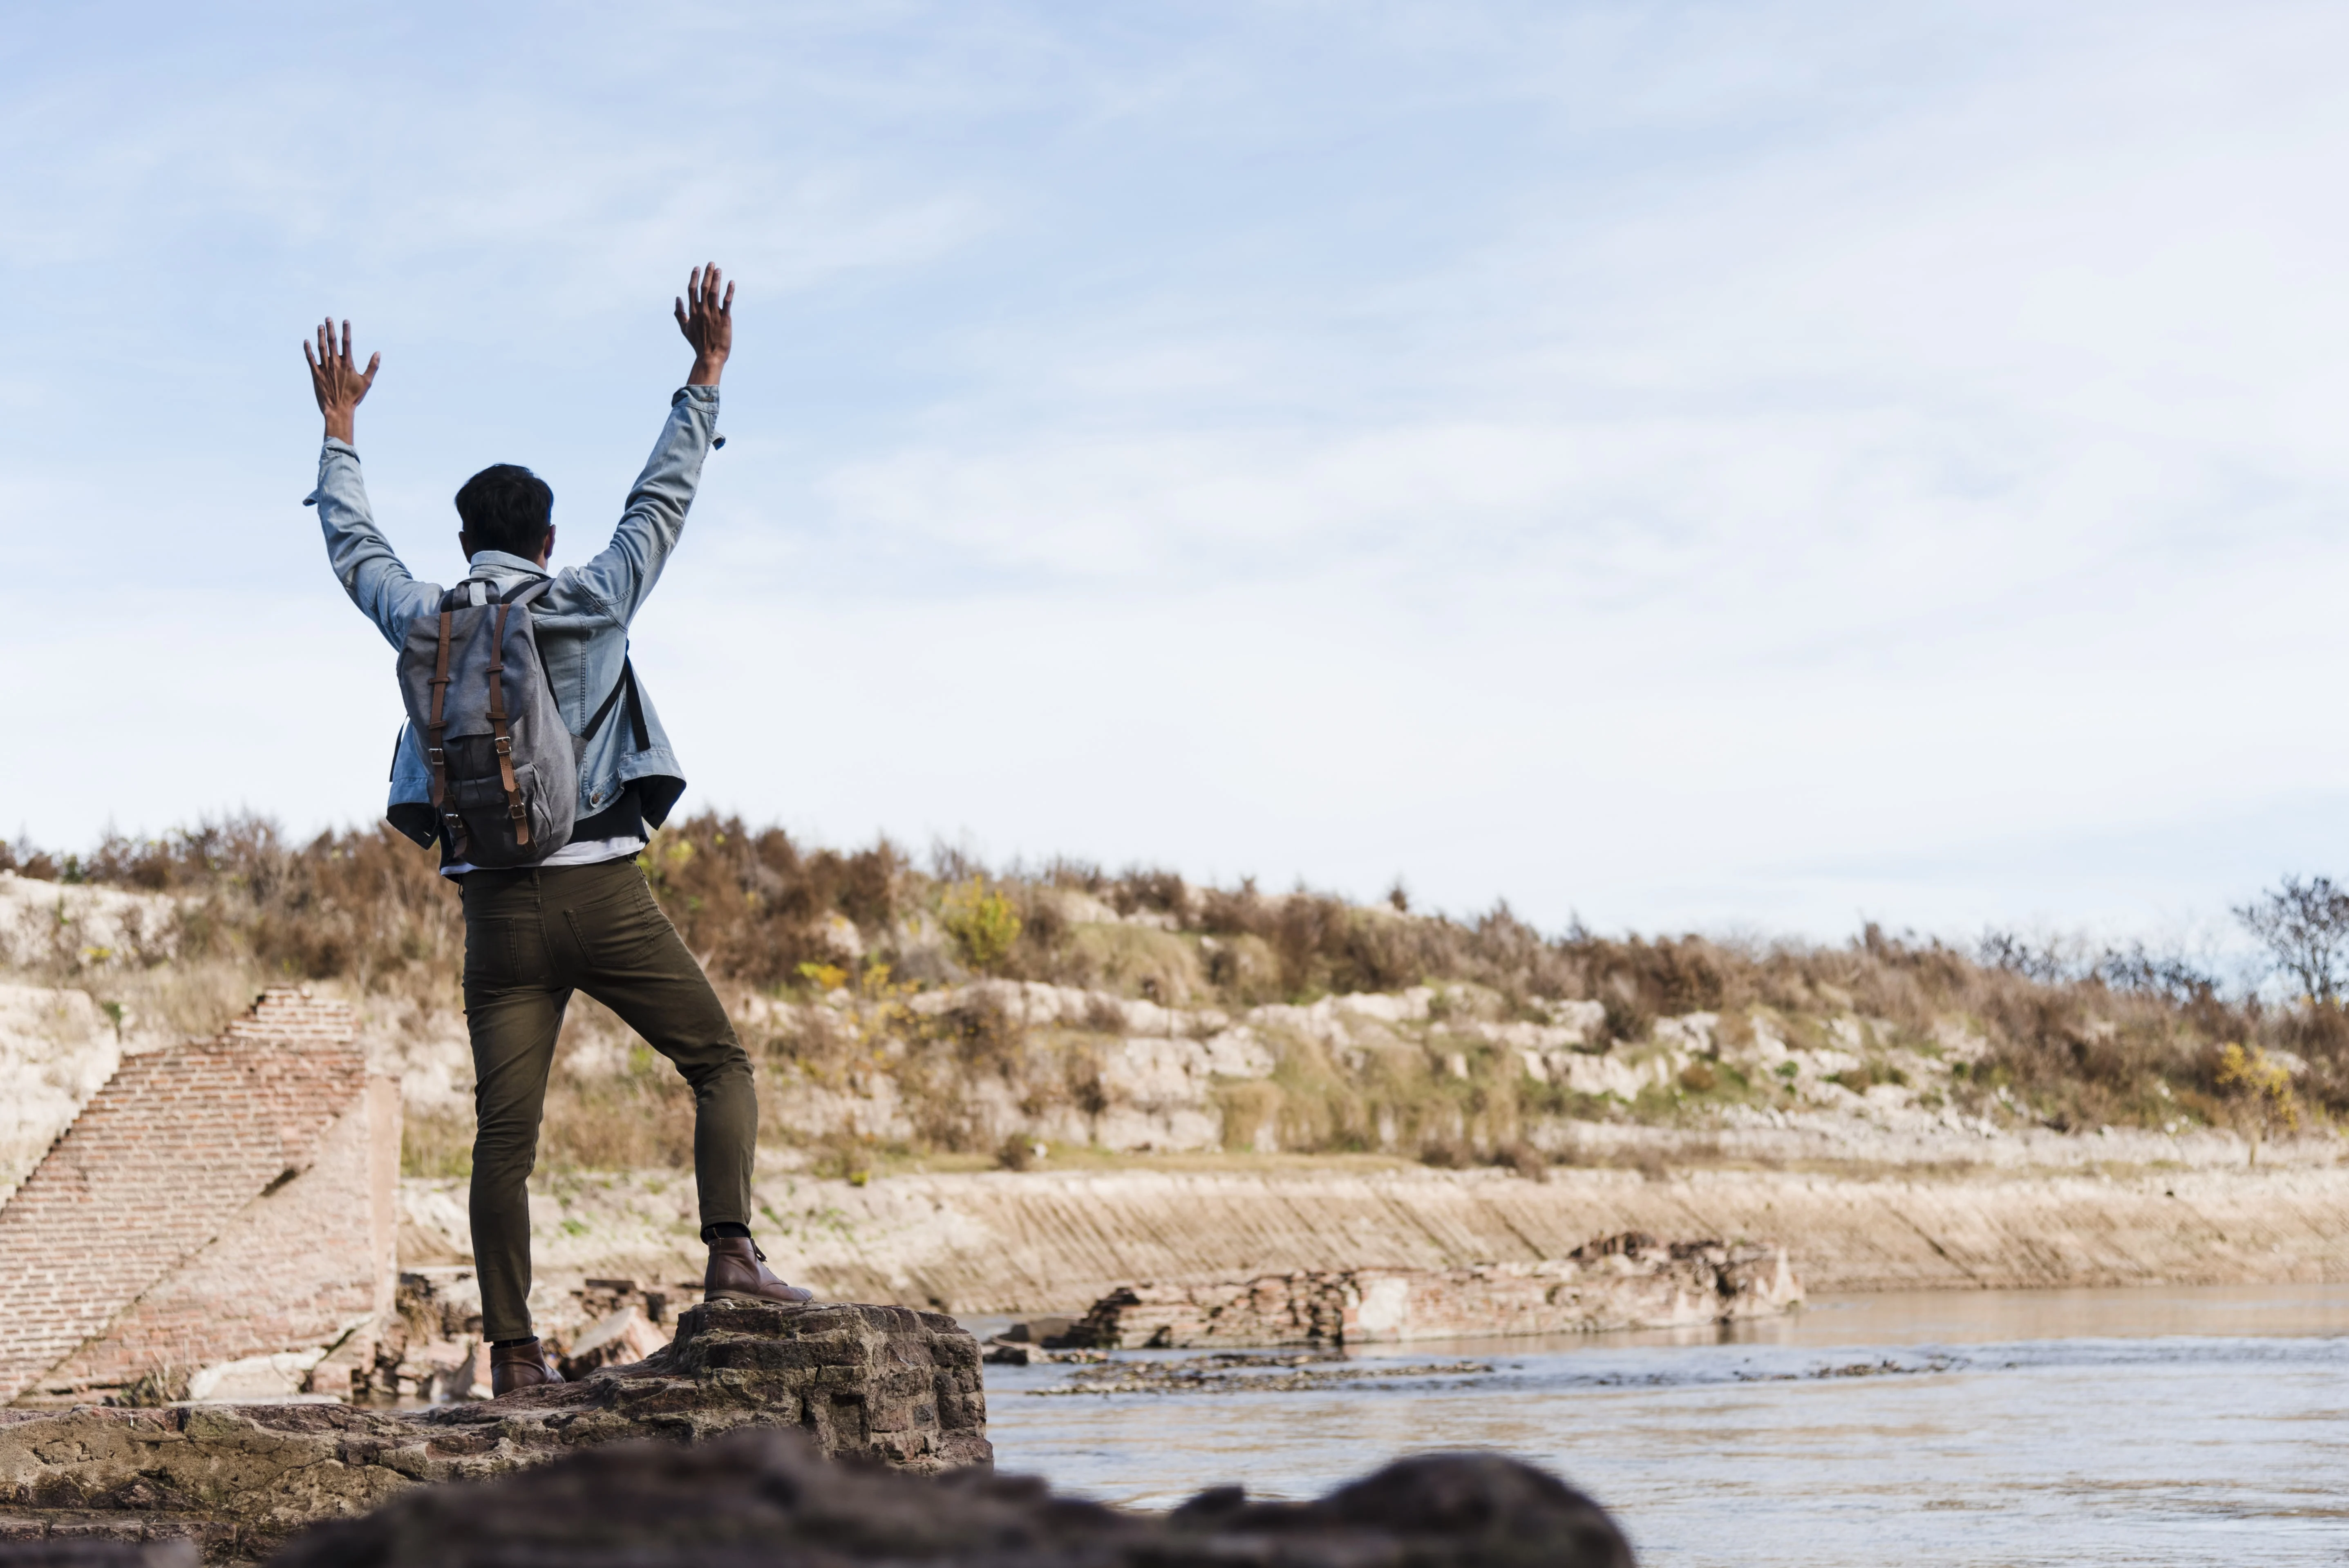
(582,621)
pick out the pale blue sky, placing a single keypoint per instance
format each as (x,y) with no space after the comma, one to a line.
(1758,466)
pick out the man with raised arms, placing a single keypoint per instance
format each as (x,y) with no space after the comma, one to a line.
(557,912)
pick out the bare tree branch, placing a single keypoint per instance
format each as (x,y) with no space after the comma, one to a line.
(2305,928)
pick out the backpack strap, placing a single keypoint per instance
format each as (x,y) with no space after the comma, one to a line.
(626,683)
(436,732)
(481,590)
(503,736)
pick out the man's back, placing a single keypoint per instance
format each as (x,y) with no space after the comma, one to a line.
(582,623)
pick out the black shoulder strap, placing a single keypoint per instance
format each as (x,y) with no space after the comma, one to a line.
(626,683)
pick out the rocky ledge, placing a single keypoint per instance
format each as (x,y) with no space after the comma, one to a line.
(878,1383)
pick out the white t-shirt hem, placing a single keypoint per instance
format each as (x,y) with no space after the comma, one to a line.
(593,852)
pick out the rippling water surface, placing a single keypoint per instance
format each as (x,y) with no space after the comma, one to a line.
(2160,1425)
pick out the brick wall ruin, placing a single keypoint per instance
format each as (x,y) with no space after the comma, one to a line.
(215,1202)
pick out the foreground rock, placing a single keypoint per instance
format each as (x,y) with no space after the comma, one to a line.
(759,1499)
(1627,1280)
(879,1383)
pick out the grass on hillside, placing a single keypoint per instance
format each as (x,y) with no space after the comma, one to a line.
(2126,1038)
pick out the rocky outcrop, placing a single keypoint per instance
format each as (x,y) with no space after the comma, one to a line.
(1628,1281)
(62,927)
(1087,1067)
(880,1383)
(766,1499)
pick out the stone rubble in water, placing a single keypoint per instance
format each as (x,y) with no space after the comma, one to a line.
(1237,1372)
(1627,1280)
(884,1384)
(431,1348)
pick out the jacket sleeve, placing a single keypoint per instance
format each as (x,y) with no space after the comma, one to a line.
(626,571)
(363,560)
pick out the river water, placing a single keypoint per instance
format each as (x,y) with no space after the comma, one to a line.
(2157,1426)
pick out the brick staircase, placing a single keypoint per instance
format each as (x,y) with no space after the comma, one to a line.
(214,1201)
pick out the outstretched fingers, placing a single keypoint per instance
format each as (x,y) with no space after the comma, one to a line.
(330,360)
(705,311)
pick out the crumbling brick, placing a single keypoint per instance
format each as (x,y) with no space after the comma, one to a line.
(217,1200)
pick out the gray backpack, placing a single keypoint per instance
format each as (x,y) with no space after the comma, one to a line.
(505,767)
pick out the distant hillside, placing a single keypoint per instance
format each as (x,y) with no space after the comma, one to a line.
(949,1010)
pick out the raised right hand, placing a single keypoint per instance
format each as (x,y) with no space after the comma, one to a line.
(339,386)
(708,324)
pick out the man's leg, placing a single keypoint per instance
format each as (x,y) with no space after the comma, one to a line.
(513,1011)
(615,943)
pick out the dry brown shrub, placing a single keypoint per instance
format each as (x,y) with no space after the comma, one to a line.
(1526,1161)
(2077,1043)
(752,905)
(1132,961)
(634,1120)
(365,906)
(436,1142)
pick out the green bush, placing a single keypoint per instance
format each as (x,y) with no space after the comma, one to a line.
(983,923)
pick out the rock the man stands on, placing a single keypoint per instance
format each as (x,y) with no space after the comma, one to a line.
(550,914)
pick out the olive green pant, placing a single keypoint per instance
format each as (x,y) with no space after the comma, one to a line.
(532,938)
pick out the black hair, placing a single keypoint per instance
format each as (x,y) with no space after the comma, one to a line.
(506,507)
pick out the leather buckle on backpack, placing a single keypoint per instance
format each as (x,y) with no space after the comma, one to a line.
(517,812)
(505,744)
(435,756)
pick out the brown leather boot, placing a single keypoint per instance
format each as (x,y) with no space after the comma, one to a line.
(525,1366)
(739,1271)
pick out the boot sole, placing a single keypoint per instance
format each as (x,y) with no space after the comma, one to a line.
(711,1296)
